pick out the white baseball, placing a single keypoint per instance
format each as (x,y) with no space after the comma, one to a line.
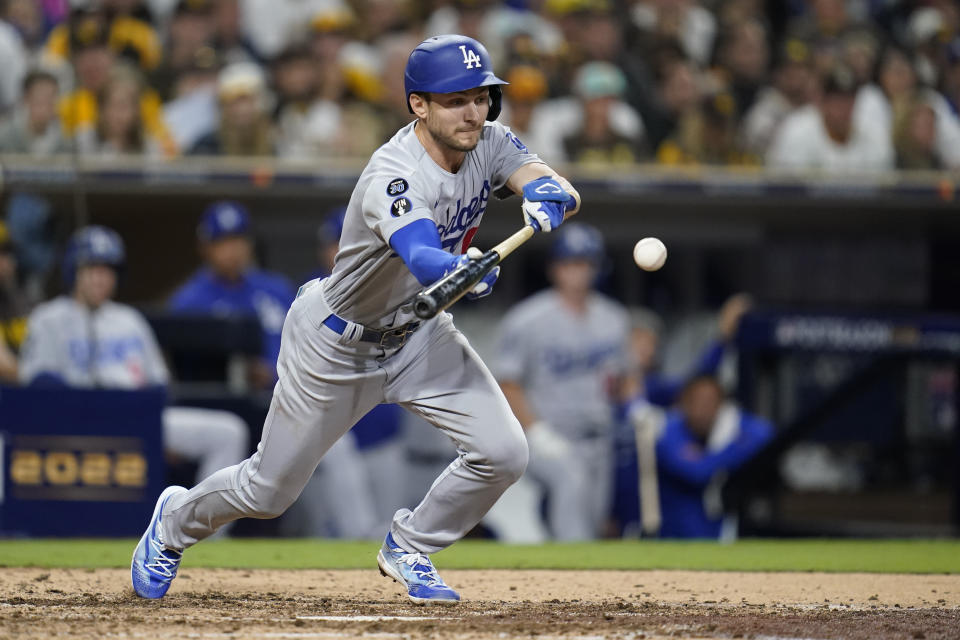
(649,254)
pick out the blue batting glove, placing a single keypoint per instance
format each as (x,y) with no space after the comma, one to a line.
(545,203)
(485,287)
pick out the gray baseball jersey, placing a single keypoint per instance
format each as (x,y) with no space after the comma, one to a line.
(370,284)
(328,381)
(566,362)
(111,347)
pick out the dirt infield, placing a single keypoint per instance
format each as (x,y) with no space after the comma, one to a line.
(220,603)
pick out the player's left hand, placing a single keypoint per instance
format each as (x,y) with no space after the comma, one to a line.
(545,203)
(485,287)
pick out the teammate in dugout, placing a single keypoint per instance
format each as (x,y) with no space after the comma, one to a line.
(87,340)
(561,381)
(351,341)
(229,283)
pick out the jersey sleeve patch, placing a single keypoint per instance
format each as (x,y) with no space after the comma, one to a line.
(397,186)
(400,206)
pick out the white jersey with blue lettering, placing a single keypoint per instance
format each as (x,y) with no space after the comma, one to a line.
(111,347)
(565,361)
(370,284)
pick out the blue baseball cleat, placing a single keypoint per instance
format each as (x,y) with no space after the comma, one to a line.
(154,566)
(416,573)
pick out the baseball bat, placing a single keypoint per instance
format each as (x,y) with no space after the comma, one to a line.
(447,290)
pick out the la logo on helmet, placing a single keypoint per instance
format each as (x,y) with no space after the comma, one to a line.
(470,58)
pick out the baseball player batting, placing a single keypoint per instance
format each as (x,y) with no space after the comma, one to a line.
(351,341)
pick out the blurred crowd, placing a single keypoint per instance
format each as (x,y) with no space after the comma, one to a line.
(838,85)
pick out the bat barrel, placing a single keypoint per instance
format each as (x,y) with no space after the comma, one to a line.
(425,307)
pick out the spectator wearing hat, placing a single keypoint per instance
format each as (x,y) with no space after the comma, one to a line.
(793,87)
(707,135)
(94,59)
(13,309)
(527,89)
(826,136)
(245,128)
(125,35)
(191,29)
(602,138)
(34,127)
(229,283)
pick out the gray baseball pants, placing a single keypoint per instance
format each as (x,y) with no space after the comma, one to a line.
(325,386)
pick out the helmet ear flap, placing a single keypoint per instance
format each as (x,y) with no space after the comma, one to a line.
(496,102)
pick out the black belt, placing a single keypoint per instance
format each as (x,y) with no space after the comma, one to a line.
(389,339)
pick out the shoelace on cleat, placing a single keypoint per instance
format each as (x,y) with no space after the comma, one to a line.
(420,565)
(162,564)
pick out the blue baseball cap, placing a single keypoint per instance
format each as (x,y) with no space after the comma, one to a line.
(332,227)
(576,240)
(224,218)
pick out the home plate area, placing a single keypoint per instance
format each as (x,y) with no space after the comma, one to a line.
(568,605)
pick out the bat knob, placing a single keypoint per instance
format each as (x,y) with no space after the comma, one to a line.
(425,307)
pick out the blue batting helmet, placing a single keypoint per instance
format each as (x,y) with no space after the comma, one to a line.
(576,240)
(92,245)
(223,218)
(446,64)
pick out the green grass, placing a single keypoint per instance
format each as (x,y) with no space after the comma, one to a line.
(873,556)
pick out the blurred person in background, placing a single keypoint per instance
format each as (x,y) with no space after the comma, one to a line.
(859,53)
(560,379)
(295,85)
(611,132)
(826,136)
(86,340)
(30,20)
(703,440)
(191,29)
(94,62)
(743,59)
(13,309)
(229,283)
(686,22)
(120,129)
(14,55)
(193,111)
(125,35)
(794,86)
(707,135)
(527,88)
(679,92)
(823,25)
(245,128)
(645,381)
(647,393)
(229,39)
(895,95)
(915,138)
(34,126)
